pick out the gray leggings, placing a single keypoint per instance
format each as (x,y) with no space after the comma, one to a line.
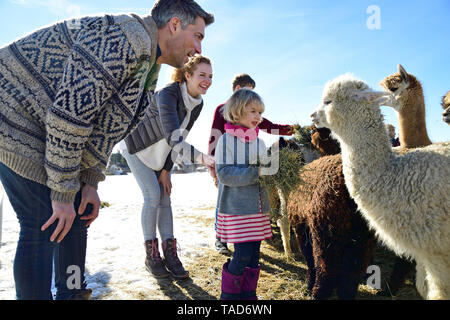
(156,209)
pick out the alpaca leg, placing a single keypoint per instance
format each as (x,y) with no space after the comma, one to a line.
(326,260)
(352,268)
(438,279)
(421,283)
(324,284)
(304,243)
(285,227)
(357,256)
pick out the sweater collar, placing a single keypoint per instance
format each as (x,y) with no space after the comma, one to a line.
(244,134)
(152,30)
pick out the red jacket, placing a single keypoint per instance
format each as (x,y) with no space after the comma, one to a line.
(219,124)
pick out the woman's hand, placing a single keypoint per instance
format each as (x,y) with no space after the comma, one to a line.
(164,180)
(65,213)
(89,195)
(208,161)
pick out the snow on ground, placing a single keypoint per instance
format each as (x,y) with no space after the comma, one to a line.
(115,255)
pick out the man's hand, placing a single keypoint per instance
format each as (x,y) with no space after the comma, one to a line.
(164,180)
(65,213)
(89,195)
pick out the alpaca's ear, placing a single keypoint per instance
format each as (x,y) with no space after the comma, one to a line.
(371,96)
(403,73)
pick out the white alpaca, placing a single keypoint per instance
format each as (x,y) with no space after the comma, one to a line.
(404,198)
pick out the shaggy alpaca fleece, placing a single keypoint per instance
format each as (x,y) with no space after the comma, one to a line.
(334,238)
(404,197)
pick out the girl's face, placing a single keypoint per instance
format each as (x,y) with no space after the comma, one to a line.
(251,117)
(201,79)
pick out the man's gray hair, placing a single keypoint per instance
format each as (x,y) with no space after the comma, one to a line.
(186,10)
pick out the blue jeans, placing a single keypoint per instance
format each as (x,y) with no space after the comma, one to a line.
(35,253)
(245,254)
(156,209)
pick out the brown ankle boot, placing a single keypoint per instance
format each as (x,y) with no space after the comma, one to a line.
(153,261)
(171,260)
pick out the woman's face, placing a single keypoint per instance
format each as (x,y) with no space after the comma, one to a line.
(199,82)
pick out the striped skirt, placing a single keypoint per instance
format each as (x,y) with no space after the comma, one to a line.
(232,228)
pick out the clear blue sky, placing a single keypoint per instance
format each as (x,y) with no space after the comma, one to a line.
(291,48)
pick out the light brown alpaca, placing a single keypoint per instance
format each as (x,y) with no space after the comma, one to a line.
(446,105)
(410,105)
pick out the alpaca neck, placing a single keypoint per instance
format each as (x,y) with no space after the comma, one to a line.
(370,149)
(366,155)
(412,126)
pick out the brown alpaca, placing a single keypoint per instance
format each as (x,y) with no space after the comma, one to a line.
(410,105)
(322,141)
(446,105)
(413,133)
(331,233)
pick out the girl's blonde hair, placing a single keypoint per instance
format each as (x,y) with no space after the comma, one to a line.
(234,109)
(189,67)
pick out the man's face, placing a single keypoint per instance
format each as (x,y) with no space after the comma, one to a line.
(186,42)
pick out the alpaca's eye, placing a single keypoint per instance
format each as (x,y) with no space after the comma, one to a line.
(327,102)
(394,89)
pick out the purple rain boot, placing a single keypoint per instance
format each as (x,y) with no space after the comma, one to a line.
(231,284)
(250,282)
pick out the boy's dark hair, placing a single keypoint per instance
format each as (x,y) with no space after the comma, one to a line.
(186,10)
(243,80)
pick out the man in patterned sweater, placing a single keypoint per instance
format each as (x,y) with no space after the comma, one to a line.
(68,94)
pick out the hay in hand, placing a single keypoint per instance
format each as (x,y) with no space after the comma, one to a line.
(287,177)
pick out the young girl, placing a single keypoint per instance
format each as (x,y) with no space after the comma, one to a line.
(243,204)
(218,129)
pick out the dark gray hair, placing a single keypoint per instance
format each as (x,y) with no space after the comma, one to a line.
(186,10)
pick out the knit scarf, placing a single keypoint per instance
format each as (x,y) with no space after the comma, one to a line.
(189,101)
(244,134)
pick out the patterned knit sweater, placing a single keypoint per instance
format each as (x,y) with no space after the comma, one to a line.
(69,93)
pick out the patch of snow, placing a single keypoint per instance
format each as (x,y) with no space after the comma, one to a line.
(115,254)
